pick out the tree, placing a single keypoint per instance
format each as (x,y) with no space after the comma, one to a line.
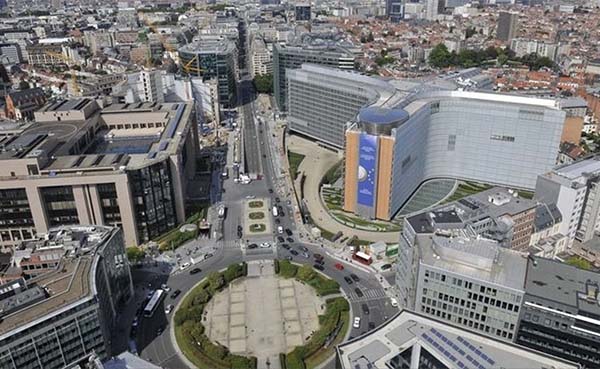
(264,83)
(24,85)
(135,254)
(440,57)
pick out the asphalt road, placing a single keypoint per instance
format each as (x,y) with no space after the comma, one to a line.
(369,302)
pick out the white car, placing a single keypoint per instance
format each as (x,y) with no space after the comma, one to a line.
(356,322)
(280,229)
(184,265)
(165,288)
(393,302)
(168,309)
(265,245)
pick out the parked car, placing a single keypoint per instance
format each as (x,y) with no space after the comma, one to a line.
(280,239)
(165,287)
(293,252)
(252,246)
(365,309)
(289,232)
(386,266)
(195,271)
(265,245)
(318,256)
(356,323)
(290,240)
(305,254)
(319,267)
(304,248)
(393,302)
(175,294)
(348,279)
(285,246)
(339,266)
(354,277)
(168,309)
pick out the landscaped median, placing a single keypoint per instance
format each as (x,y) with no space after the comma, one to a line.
(175,238)
(189,331)
(333,325)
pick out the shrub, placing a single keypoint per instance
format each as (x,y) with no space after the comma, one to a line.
(276,266)
(232,272)
(216,281)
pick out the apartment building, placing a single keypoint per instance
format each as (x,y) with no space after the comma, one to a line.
(125,165)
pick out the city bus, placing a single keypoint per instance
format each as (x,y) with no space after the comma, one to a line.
(362,257)
(152,305)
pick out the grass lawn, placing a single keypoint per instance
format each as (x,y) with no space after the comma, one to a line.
(579,262)
(324,353)
(295,159)
(259,227)
(466,189)
(256,204)
(256,215)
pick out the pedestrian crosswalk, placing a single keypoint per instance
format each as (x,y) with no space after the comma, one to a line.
(231,244)
(371,294)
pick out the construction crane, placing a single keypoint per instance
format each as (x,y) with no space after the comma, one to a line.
(187,67)
(68,62)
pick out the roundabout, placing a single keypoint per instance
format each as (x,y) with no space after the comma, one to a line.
(266,313)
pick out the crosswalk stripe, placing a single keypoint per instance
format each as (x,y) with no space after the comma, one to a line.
(368,295)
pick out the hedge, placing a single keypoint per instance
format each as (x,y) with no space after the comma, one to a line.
(307,274)
(189,330)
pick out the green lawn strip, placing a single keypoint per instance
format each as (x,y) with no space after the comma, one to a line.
(294,159)
(256,215)
(175,238)
(579,262)
(325,352)
(258,227)
(256,204)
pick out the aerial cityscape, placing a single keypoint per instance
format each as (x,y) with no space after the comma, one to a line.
(310,184)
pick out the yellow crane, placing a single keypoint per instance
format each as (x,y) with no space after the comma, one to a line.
(187,67)
(68,62)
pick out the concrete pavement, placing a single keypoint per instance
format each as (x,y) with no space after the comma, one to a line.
(317,161)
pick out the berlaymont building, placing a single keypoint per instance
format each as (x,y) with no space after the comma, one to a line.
(399,134)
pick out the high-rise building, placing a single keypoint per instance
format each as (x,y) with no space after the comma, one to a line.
(575,189)
(125,165)
(392,149)
(322,101)
(213,59)
(151,86)
(507,26)
(261,59)
(450,272)
(561,312)
(303,12)
(60,300)
(435,7)
(311,49)
(411,340)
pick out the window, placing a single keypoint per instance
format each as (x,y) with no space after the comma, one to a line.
(502,138)
(451,142)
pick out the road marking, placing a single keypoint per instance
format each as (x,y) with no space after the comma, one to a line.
(372,294)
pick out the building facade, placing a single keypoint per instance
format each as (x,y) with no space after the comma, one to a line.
(124,165)
(561,312)
(213,60)
(260,58)
(507,26)
(286,57)
(51,325)
(575,189)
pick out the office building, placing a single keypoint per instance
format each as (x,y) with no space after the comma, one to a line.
(64,293)
(561,312)
(10,53)
(483,137)
(303,12)
(213,59)
(434,8)
(451,273)
(414,341)
(575,189)
(323,101)
(313,49)
(523,46)
(507,26)
(151,86)
(261,60)
(125,165)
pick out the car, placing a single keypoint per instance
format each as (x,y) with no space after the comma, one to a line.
(293,252)
(358,292)
(240,228)
(280,229)
(277,221)
(305,254)
(175,294)
(135,322)
(393,302)
(149,294)
(252,246)
(290,239)
(365,309)
(319,267)
(195,271)
(184,266)
(386,266)
(168,309)
(265,245)
(318,256)
(354,277)
(165,288)
(371,325)
(304,248)
(339,266)
(250,197)
(289,232)
(280,239)
(270,190)
(159,331)
(356,323)
(348,280)
(208,256)
(277,199)
(285,246)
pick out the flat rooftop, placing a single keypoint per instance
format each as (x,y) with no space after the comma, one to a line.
(477,257)
(452,346)
(66,284)
(579,169)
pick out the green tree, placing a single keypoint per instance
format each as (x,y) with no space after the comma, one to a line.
(135,254)
(264,83)
(440,57)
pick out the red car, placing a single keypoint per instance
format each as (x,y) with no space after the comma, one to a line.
(339,266)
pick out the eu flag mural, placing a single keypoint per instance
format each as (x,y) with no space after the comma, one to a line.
(367,167)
